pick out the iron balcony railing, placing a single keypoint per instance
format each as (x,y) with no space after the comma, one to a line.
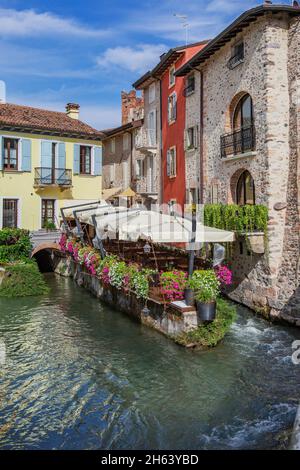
(52,176)
(146,138)
(240,141)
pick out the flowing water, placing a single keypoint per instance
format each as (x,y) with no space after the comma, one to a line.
(79,375)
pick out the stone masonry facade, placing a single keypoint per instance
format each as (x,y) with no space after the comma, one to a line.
(270,74)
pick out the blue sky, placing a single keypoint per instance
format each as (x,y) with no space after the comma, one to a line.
(87,51)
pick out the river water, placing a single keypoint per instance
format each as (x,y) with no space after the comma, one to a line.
(79,375)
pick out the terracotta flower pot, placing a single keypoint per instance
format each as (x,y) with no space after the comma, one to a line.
(206,311)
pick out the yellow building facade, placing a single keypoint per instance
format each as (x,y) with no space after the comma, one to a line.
(44,170)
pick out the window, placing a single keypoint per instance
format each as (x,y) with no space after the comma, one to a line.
(243,115)
(191,138)
(125,174)
(214,193)
(237,55)
(245,192)
(139,169)
(113,145)
(10,154)
(172,108)
(189,85)
(172,77)
(112,172)
(125,141)
(10,213)
(85,160)
(152,93)
(171,162)
(48,211)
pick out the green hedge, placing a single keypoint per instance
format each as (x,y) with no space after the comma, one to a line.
(241,219)
(23,279)
(15,244)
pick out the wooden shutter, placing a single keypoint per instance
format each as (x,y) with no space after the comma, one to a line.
(61,155)
(46,154)
(168,163)
(76,159)
(26,155)
(98,161)
(195,137)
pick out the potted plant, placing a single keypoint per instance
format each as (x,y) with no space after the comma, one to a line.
(207,288)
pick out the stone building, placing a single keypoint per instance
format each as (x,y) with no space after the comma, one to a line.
(249,104)
(148,141)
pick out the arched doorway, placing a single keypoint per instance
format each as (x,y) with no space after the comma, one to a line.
(245,189)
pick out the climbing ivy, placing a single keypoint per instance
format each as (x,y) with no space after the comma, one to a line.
(240,219)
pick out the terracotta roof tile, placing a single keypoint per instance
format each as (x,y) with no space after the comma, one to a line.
(26,117)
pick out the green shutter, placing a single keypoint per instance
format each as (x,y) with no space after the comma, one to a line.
(26,155)
(76,160)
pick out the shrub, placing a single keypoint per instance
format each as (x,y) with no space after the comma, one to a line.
(209,335)
(236,218)
(205,285)
(173,284)
(24,279)
(15,244)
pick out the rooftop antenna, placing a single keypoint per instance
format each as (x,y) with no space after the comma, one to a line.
(185,25)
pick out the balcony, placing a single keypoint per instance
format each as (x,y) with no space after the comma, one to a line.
(45,177)
(238,142)
(146,139)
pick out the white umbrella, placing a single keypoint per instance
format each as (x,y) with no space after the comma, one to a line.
(159,228)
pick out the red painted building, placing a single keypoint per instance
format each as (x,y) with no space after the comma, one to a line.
(173,122)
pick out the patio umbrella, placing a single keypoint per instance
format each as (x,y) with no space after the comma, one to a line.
(158,228)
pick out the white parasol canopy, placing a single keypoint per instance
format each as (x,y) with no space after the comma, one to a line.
(159,228)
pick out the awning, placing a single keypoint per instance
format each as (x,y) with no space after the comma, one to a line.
(66,203)
(110,193)
(127,193)
(159,228)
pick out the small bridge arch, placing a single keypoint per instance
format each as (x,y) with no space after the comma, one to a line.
(43,255)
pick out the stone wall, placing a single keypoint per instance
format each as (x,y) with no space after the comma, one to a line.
(192,156)
(167,321)
(131,106)
(270,74)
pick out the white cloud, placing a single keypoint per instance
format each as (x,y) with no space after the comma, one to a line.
(136,59)
(31,23)
(225,7)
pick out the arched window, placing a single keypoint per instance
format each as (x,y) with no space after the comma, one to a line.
(243,114)
(245,190)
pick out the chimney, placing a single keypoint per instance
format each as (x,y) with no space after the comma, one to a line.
(2,92)
(72,110)
(130,102)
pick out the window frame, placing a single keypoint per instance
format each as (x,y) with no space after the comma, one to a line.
(53,202)
(16,212)
(84,157)
(241,190)
(172,118)
(139,164)
(239,108)
(171,151)
(188,92)
(9,168)
(151,94)
(172,75)
(113,145)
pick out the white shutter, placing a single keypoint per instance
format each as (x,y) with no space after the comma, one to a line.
(168,163)
(175,162)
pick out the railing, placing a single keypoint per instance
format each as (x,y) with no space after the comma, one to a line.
(52,176)
(146,138)
(237,142)
(236,59)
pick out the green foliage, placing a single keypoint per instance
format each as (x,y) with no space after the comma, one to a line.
(209,335)
(205,285)
(49,226)
(139,283)
(23,279)
(15,244)
(241,219)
